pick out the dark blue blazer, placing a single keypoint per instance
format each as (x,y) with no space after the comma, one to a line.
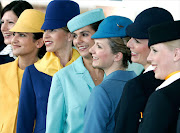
(133,101)
(4,58)
(162,110)
(178,123)
(33,101)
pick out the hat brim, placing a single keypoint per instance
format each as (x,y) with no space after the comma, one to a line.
(99,34)
(21,28)
(134,31)
(53,24)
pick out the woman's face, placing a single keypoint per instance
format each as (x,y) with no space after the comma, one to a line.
(82,40)
(139,50)
(102,54)
(161,59)
(55,40)
(8,21)
(23,44)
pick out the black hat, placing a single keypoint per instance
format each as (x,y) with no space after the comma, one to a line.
(164,32)
(146,19)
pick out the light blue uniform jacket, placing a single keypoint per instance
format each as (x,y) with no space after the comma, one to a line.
(69,93)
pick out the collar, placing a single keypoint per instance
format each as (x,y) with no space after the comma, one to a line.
(150,68)
(8,51)
(50,63)
(171,74)
(171,79)
(127,75)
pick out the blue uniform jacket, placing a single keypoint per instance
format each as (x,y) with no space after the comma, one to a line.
(133,101)
(34,101)
(99,115)
(162,110)
(70,91)
(34,94)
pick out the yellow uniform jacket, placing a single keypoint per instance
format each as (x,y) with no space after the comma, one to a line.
(9,96)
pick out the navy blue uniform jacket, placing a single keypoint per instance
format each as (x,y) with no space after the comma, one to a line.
(134,98)
(33,99)
(162,110)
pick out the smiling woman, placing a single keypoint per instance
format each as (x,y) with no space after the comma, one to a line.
(162,109)
(72,85)
(26,41)
(9,16)
(137,91)
(110,54)
(37,77)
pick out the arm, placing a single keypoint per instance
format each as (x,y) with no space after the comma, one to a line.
(27,105)
(56,108)
(97,112)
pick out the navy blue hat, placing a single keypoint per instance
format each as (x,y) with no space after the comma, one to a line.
(112,26)
(146,19)
(58,13)
(164,32)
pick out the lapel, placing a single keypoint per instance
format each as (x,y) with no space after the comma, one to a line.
(169,81)
(11,77)
(80,70)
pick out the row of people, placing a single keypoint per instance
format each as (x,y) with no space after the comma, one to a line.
(84,94)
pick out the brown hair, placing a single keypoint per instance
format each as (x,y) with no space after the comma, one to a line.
(65,29)
(118,44)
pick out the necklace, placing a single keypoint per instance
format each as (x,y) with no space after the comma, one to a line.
(95,79)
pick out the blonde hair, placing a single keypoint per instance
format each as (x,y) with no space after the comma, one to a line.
(171,45)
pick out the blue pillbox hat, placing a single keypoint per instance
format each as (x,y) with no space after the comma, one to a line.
(58,13)
(112,26)
(164,32)
(85,19)
(146,19)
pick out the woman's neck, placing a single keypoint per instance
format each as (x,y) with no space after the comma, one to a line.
(146,65)
(64,55)
(113,69)
(23,61)
(96,74)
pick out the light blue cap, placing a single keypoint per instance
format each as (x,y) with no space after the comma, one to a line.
(85,19)
(112,26)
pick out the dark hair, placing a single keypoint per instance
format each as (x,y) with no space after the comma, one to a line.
(95,25)
(118,44)
(2,45)
(17,7)
(42,50)
(0,7)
